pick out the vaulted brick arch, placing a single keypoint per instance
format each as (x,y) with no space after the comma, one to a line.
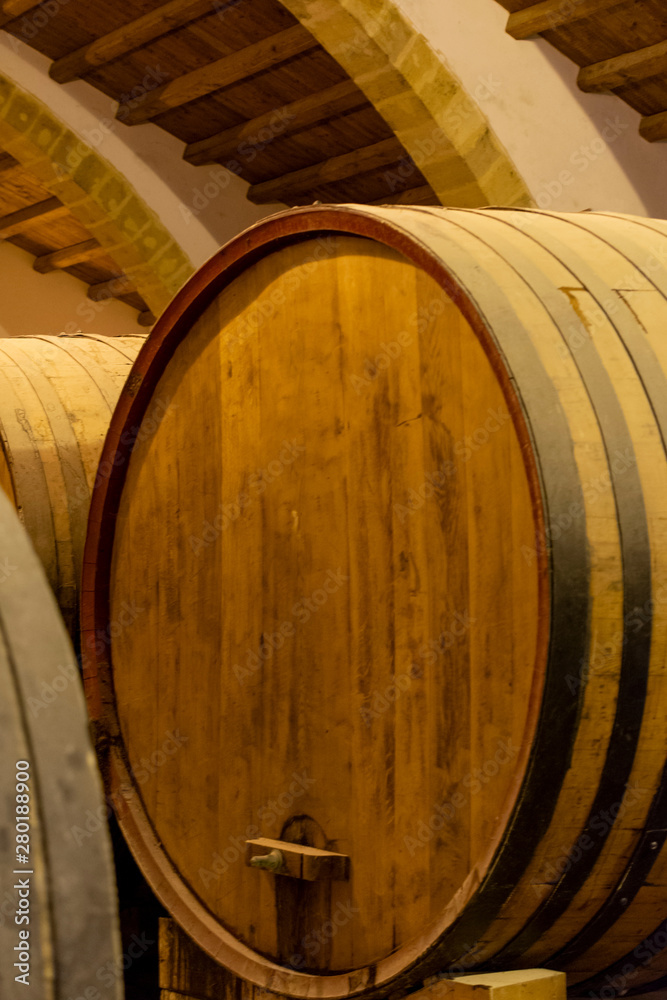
(439,123)
(96,194)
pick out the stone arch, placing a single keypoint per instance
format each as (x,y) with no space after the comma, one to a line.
(439,123)
(96,194)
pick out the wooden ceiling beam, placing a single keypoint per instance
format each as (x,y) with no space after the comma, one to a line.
(653,128)
(291,118)
(68,256)
(627,68)
(118,43)
(27,218)
(113,288)
(11,9)
(221,73)
(7,162)
(422,195)
(551,14)
(338,168)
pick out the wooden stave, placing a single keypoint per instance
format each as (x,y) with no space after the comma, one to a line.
(646,856)
(622,895)
(74,937)
(623,887)
(238,254)
(622,891)
(472,929)
(45,479)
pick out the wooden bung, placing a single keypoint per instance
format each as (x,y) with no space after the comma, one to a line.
(399,542)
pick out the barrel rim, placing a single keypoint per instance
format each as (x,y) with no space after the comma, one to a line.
(73,888)
(260,240)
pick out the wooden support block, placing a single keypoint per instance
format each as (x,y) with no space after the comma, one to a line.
(27,218)
(421,195)
(7,162)
(68,256)
(221,73)
(523,984)
(299,861)
(114,288)
(653,128)
(291,118)
(12,9)
(552,14)
(621,70)
(337,168)
(128,37)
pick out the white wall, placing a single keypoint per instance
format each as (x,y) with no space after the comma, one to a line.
(32,303)
(560,139)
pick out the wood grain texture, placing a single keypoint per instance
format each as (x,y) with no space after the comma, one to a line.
(186,974)
(421,577)
(576,248)
(551,14)
(76,254)
(653,128)
(68,882)
(336,168)
(293,117)
(7,163)
(57,400)
(11,9)
(130,36)
(28,218)
(630,67)
(222,73)
(113,288)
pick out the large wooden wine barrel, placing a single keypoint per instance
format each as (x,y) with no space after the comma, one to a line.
(397,549)
(58,914)
(57,395)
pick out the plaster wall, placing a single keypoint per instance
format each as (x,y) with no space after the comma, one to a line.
(32,304)
(575,151)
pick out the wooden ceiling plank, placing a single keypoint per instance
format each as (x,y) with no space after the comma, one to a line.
(128,38)
(134,301)
(26,218)
(7,162)
(246,62)
(421,195)
(286,120)
(337,168)
(653,128)
(551,14)
(68,256)
(11,9)
(113,288)
(630,67)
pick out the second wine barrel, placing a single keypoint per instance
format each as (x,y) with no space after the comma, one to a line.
(394,701)
(57,395)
